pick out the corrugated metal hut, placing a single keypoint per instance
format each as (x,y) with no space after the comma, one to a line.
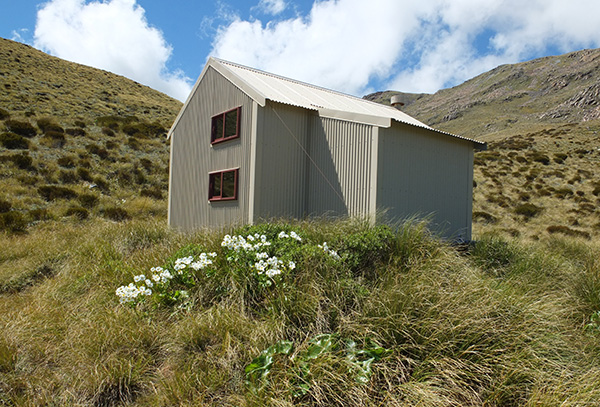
(249,145)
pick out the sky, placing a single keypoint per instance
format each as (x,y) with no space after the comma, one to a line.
(352,46)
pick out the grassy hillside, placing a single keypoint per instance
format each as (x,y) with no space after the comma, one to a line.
(394,317)
(77,142)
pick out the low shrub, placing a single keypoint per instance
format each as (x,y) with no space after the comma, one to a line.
(84,174)
(539,157)
(76,132)
(22,161)
(4,114)
(67,161)
(5,206)
(47,124)
(13,221)
(484,217)
(39,214)
(528,210)
(77,212)
(154,193)
(563,193)
(560,158)
(24,129)
(97,150)
(108,132)
(54,192)
(54,139)
(68,177)
(567,231)
(115,213)
(13,141)
(88,200)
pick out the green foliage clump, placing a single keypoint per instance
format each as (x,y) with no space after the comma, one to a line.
(539,157)
(5,206)
(115,213)
(22,161)
(528,210)
(66,161)
(88,200)
(54,192)
(47,124)
(362,250)
(13,221)
(154,193)
(76,132)
(21,128)
(54,139)
(4,114)
(78,212)
(13,141)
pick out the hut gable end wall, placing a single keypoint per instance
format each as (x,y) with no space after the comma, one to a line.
(193,156)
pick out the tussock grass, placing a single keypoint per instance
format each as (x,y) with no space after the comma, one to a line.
(501,325)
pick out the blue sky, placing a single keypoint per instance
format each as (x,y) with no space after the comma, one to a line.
(353,46)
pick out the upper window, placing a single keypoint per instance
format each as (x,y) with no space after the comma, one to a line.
(222,185)
(225,126)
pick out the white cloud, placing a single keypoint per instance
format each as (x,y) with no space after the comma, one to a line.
(423,46)
(113,35)
(273,7)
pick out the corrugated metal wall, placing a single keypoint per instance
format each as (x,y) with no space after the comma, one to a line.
(424,173)
(193,157)
(340,175)
(280,183)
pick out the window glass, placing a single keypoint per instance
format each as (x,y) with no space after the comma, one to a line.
(231,120)
(228,184)
(217,128)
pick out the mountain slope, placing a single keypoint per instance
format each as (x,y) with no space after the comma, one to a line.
(514,98)
(37,84)
(78,142)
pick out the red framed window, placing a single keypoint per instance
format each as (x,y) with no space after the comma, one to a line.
(225,126)
(223,185)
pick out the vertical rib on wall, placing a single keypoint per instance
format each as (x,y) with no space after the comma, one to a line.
(340,176)
(193,157)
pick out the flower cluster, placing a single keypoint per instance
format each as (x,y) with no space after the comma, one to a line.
(329,251)
(292,235)
(160,280)
(202,262)
(130,293)
(271,266)
(250,243)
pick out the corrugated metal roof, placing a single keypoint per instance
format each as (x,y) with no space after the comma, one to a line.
(292,92)
(262,86)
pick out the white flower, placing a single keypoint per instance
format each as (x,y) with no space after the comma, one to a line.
(283,235)
(141,277)
(294,235)
(273,272)
(262,255)
(291,265)
(149,283)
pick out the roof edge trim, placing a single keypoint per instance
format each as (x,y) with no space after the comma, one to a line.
(356,117)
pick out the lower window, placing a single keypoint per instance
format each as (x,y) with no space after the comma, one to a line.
(222,185)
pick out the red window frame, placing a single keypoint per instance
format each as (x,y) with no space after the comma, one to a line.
(219,128)
(216,180)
